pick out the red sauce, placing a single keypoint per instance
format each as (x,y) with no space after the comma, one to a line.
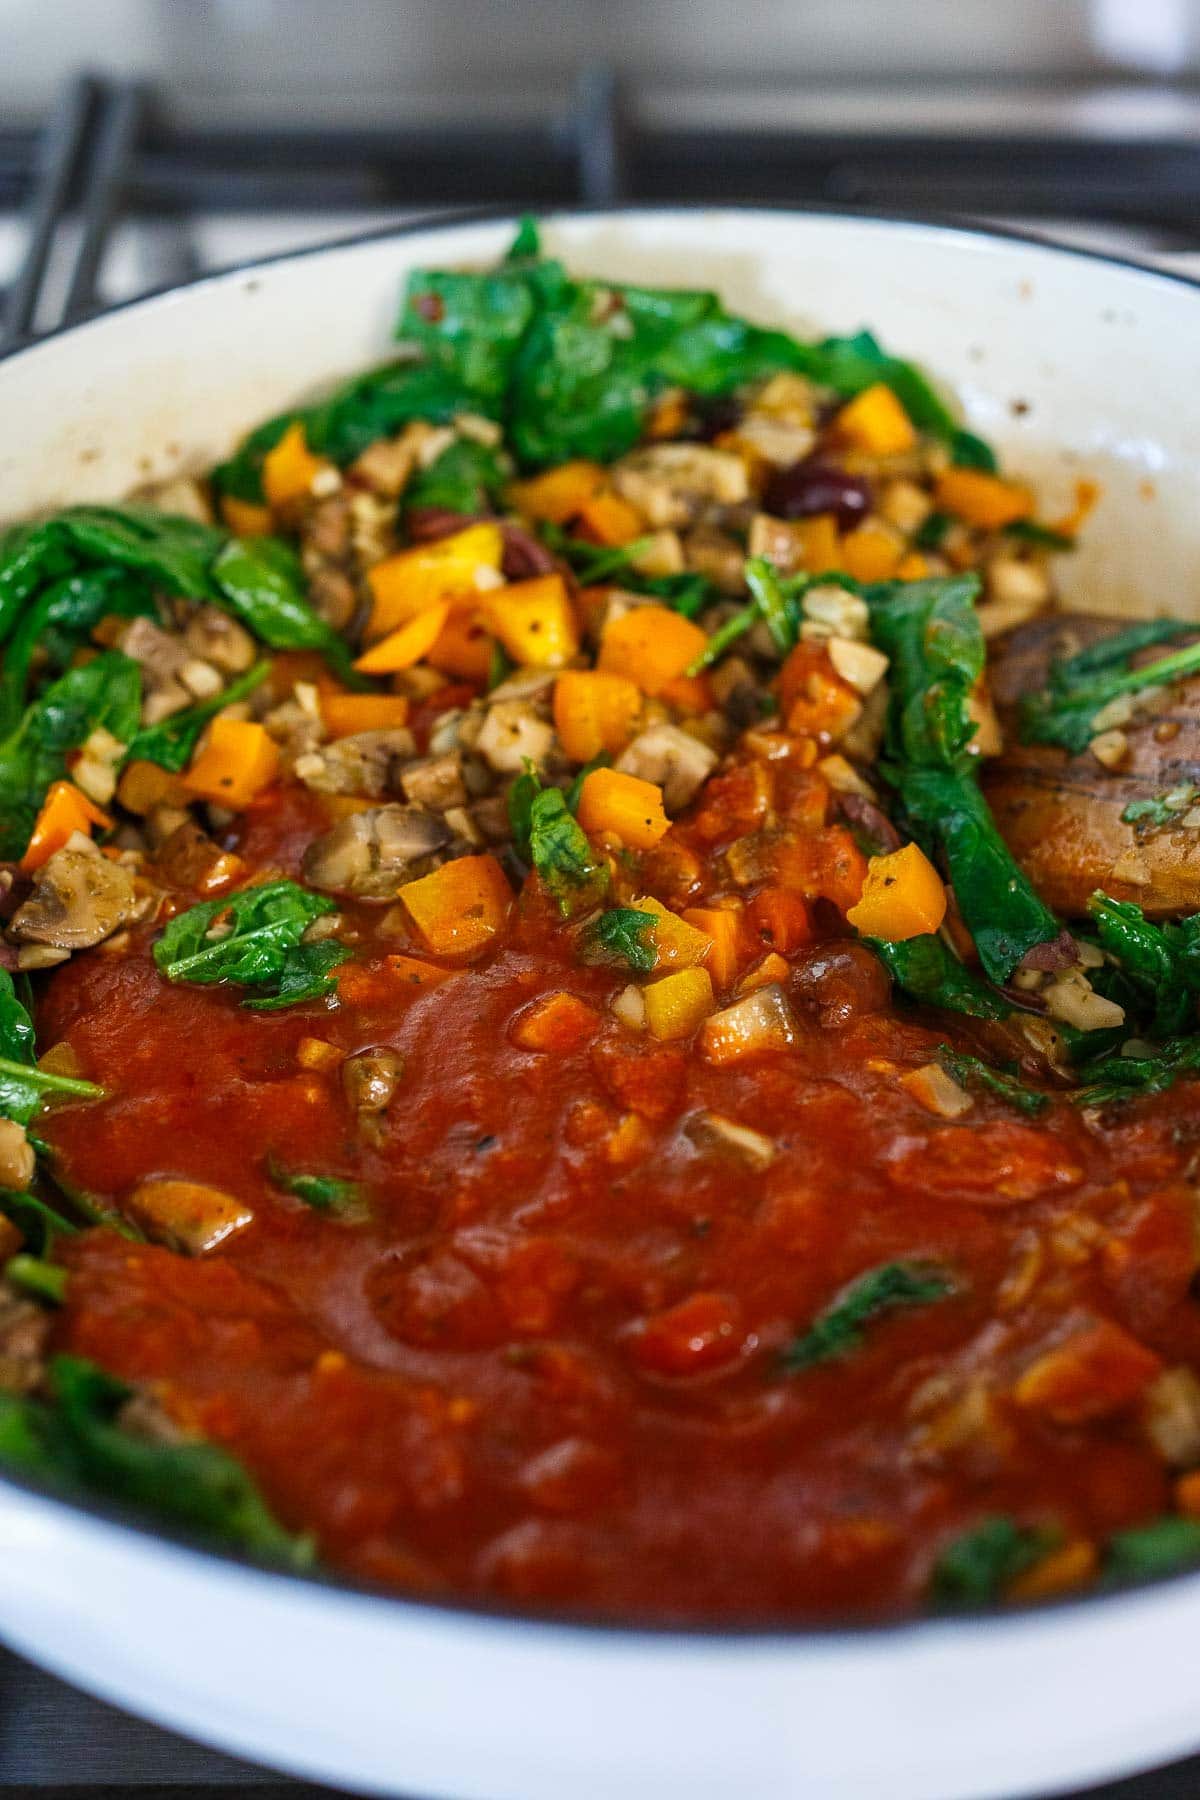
(547,1367)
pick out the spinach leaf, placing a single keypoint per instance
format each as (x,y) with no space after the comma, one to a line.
(931,531)
(171,742)
(59,622)
(1028,531)
(1064,713)
(593,564)
(620,934)
(77,1440)
(839,1329)
(259,580)
(1162,962)
(930,632)
(972,1071)
(23,1086)
(928,971)
(38,1222)
(324,1193)
(1162,1548)
(467,478)
(1072,671)
(1123,1077)
(254,938)
(978,1567)
(547,836)
(106,691)
(724,637)
(1161,809)
(44,1280)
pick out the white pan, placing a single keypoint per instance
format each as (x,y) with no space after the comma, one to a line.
(1072,364)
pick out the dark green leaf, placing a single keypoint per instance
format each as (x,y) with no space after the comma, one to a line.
(171,742)
(79,1441)
(104,692)
(38,1222)
(467,478)
(620,935)
(928,971)
(970,452)
(324,1193)
(259,580)
(33,1276)
(1147,1551)
(1161,961)
(23,1086)
(976,1568)
(972,1071)
(548,838)
(1123,1077)
(253,938)
(1064,713)
(840,1328)
(1162,809)
(1028,531)
(1075,671)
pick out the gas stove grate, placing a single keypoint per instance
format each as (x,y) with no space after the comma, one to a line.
(107,154)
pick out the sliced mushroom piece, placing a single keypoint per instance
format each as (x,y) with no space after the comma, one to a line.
(370,1079)
(372,853)
(361,764)
(214,637)
(160,653)
(672,759)
(189,1215)
(78,898)
(670,484)
(715,554)
(436,782)
(17,1161)
(513,733)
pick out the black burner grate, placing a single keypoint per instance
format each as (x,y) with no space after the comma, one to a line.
(109,153)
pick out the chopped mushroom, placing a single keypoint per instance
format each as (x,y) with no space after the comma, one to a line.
(672,759)
(670,484)
(1171,1413)
(219,640)
(749,1146)
(189,1215)
(17,1161)
(24,1328)
(361,764)
(513,734)
(436,782)
(372,853)
(79,896)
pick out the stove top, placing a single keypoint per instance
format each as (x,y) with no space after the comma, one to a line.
(110,197)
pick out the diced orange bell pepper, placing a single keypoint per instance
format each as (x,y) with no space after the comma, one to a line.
(404,585)
(464,645)
(650,645)
(244,518)
(912,567)
(237,761)
(814,701)
(623,807)
(723,927)
(677,1003)
(904,897)
(679,943)
(557,1022)
(64,811)
(594,713)
(876,422)
(460,908)
(535,621)
(1099,1370)
(290,468)
(557,495)
(983,500)
(820,548)
(346,714)
(410,971)
(871,553)
(402,648)
(608,519)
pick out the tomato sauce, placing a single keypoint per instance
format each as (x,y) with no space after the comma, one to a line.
(547,1367)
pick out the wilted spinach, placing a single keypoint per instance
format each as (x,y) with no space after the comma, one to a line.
(254,938)
(840,1328)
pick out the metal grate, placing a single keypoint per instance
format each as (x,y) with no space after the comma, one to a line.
(107,154)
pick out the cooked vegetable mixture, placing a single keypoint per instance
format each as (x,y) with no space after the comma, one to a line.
(598,996)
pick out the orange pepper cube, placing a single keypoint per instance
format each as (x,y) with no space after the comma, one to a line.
(981,499)
(609,519)
(872,552)
(722,926)
(557,1022)
(406,584)
(290,469)
(535,621)
(345,715)
(557,495)
(903,897)
(679,944)
(460,908)
(244,518)
(677,1003)
(237,761)
(623,807)
(594,713)
(65,810)
(651,646)
(402,648)
(876,422)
